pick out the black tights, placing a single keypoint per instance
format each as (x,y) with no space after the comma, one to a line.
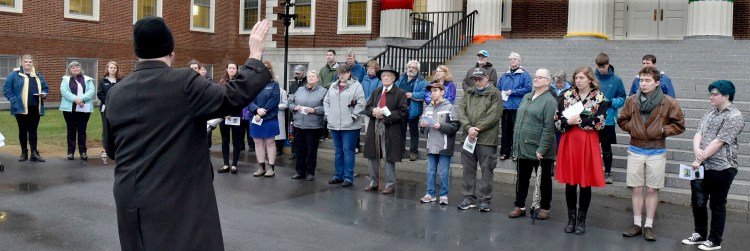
(571,196)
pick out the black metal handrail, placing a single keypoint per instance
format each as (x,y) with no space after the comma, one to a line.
(425,24)
(435,51)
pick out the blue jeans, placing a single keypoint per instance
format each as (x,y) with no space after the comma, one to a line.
(344,142)
(443,163)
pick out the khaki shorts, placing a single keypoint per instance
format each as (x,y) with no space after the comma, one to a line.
(646,170)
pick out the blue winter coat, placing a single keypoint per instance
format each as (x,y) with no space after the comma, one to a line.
(417,88)
(66,102)
(268,99)
(358,71)
(665,83)
(519,83)
(369,84)
(14,87)
(611,86)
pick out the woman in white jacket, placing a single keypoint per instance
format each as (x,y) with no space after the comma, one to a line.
(77,101)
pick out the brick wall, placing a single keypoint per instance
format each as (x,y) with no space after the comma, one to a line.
(538,19)
(741,29)
(41,30)
(326,26)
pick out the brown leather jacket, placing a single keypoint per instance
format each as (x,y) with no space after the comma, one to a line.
(665,120)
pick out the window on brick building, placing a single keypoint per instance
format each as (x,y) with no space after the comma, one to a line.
(14,6)
(89,66)
(82,9)
(146,8)
(419,6)
(355,16)
(249,15)
(7,64)
(202,15)
(303,9)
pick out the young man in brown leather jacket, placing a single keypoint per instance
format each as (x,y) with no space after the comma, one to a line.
(649,117)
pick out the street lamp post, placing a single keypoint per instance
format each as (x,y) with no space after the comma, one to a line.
(287,21)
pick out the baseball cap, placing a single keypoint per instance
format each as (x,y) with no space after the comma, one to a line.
(480,72)
(483,53)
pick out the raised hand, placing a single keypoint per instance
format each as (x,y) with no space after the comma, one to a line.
(257,39)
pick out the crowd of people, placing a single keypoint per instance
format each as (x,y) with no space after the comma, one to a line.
(545,123)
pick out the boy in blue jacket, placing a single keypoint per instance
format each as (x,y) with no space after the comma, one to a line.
(614,92)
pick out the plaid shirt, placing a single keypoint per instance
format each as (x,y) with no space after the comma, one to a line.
(726,126)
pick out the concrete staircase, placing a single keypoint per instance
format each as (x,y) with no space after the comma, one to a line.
(692,65)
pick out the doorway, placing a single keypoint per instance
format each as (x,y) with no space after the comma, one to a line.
(659,19)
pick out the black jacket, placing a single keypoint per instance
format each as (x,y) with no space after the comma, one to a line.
(155,128)
(104,86)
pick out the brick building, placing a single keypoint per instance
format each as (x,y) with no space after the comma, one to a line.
(94,32)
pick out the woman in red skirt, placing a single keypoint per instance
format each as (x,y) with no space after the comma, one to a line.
(579,161)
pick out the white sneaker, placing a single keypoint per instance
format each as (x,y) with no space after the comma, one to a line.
(428,198)
(443,200)
(694,239)
(708,245)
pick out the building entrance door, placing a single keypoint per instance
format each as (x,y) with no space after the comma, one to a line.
(660,19)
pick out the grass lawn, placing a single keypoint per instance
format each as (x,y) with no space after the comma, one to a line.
(52,134)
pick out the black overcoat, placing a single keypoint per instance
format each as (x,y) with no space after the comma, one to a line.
(396,103)
(155,128)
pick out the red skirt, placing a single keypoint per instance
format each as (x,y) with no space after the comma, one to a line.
(579,159)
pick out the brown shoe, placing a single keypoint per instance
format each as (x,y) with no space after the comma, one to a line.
(371,188)
(388,190)
(632,231)
(412,156)
(517,212)
(648,234)
(543,214)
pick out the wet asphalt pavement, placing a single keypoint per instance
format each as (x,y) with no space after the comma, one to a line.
(68,205)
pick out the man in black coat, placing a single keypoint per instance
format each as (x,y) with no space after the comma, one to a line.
(386,126)
(155,128)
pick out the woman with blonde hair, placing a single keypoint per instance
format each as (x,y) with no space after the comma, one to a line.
(579,161)
(111,77)
(443,76)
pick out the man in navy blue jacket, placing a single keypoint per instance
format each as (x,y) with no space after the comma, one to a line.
(413,83)
(666,82)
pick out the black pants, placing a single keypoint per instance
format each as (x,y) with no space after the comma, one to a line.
(306,150)
(714,187)
(413,125)
(607,137)
(571,197)
(524,169)
(27,126)
(250,141)
(237,136)
(76,122)
(507,124)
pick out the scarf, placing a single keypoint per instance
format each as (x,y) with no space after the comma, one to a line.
(74,85)
(647,102)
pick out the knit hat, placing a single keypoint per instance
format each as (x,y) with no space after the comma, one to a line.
(152,38)
(299,68)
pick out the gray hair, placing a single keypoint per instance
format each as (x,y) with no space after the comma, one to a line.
(545,73)
(70,65)
(350,53)
(514,55)
(313,72)
(414,62)
(560,75)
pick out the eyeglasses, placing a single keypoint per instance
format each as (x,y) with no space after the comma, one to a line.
(540,77)
(714,94)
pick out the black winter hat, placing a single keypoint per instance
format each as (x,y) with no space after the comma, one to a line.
(152,38)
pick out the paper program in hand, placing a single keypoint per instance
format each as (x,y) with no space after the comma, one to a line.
(573,110)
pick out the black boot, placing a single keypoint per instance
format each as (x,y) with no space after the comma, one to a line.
(581,222)
(35,156)
(24,155)
(571,221)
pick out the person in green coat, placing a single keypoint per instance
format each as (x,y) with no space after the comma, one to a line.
(534,143)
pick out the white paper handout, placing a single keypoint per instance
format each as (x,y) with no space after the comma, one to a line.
(303,110)
(687,172)
(505,97)
(469,146)
(103,107)
(428,120)
(86,107)
(385,111)
(233,121)
(573,110)
(258,122)
(2,140)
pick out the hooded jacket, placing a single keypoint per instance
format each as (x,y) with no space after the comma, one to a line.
(518,82)
(369,84)
(358,71)
(443,140)
(343,109)
(327,75)
(611,86)
(16,89)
